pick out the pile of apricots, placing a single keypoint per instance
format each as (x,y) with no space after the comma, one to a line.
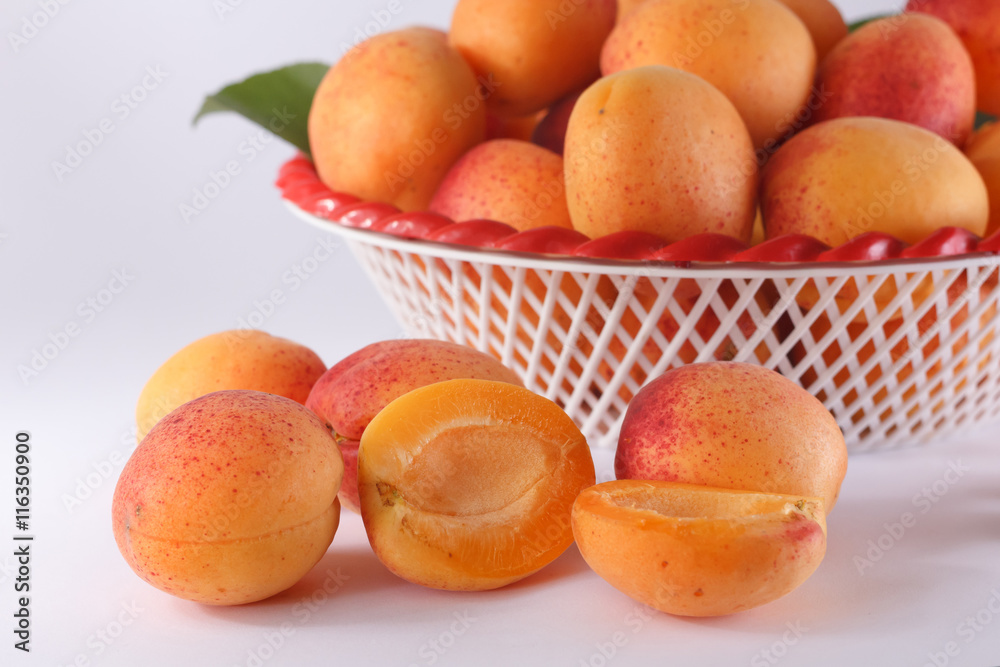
(749,118)
(466,480)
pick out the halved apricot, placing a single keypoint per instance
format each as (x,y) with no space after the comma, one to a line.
(469,484)
(694,550)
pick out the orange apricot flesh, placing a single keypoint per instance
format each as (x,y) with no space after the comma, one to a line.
(693,550)
(468,484)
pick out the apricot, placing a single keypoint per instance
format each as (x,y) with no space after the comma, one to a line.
(239,359)
(518,127)
(625,7)
(984,152)
(231,498)
(736,426)
(757,52)
(551,130)
(468,484)
(389,120)
(847,176)
(977,23)
(824,22)
(917,72)
(510,181)
(349,395)
(693,550)
(658,150)
(534,51)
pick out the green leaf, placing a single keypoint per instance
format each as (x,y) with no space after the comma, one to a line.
(278,101)
(863,22)
(983,118)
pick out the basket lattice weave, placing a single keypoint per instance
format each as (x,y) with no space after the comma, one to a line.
(901,352)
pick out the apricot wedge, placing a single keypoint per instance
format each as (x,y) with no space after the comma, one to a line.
(694,550)
(468,484)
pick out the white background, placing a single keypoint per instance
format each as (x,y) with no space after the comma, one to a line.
(62,240)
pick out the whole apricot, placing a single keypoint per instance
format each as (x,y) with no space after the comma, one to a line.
(917,72)
(847,176)
(510,181)
(533,52)
(239,359)
(735,426)
(389,119)
(231,498)
(757,52)
(658,150)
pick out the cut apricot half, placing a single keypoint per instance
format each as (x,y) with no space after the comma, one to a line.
(694,550)
(469,484)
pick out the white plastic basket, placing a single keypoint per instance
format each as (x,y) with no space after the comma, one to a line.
(902,352)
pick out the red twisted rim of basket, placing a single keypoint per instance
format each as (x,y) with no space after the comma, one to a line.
(299,184)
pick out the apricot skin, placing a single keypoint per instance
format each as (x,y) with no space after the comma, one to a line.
(757,52)
(917,72)
(659,150)
(509,181)
(824,22)
(735,426)
(230,499)
(537,51)
(625,7)
(468,484)
(984,152)
(349,395)
(844,177)
(244,359)
(717,552)
(551,130)
(977,22)
(389,120)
